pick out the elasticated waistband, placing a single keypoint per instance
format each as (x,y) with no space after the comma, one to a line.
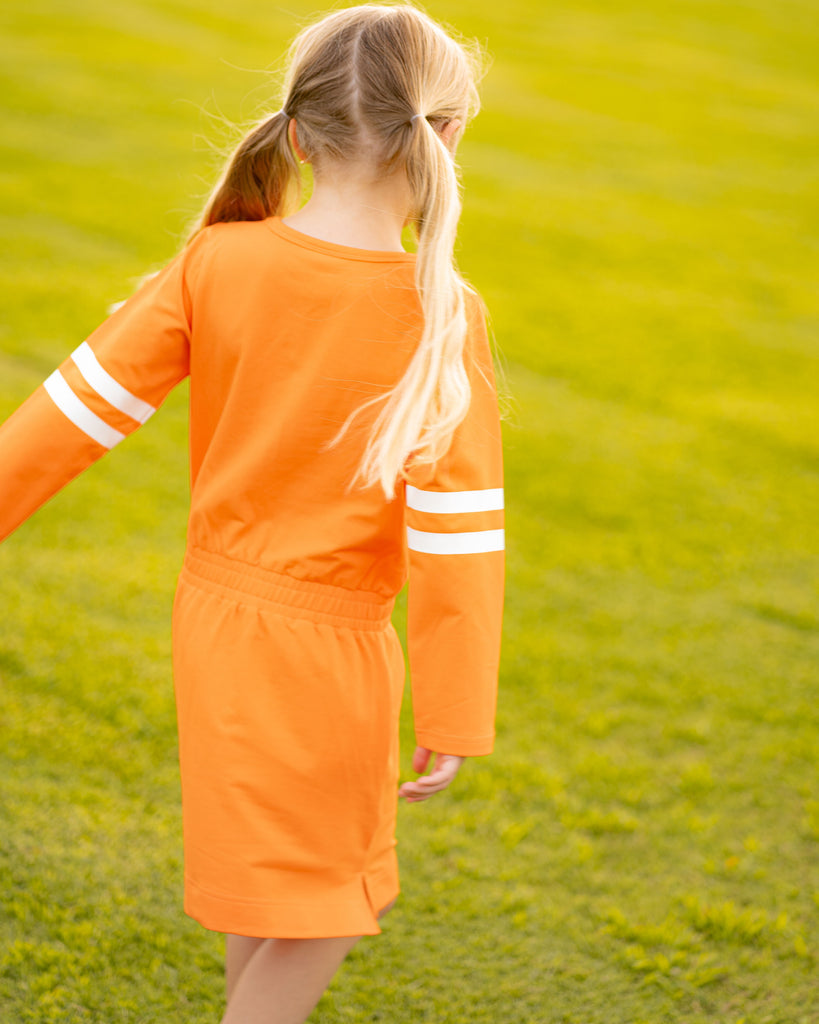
(292,597)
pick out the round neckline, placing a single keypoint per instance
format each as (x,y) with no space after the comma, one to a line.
(278,227)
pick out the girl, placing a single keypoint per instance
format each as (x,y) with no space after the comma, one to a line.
(344,434)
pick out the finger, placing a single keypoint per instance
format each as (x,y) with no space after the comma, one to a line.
(416,797)
(425,785)
(415,790)
(420,759)
(412,796)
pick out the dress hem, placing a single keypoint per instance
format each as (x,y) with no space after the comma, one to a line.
(347,916)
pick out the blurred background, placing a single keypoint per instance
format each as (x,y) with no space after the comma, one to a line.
(641,217)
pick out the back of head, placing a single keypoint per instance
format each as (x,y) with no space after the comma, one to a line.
(359,76)
(378,83)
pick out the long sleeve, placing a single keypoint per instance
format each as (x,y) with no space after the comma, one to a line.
(109,385)
(455,538)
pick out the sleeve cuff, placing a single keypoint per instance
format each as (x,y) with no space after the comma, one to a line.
(460,746)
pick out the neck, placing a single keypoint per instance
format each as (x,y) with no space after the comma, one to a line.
(355,207)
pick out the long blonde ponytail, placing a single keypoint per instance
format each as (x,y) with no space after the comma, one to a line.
(386,79)
(422,411)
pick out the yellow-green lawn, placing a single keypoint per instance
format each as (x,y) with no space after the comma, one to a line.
(641,217)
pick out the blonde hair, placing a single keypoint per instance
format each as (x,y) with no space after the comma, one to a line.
(388,78)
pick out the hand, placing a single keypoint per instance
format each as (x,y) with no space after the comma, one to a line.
(445,770)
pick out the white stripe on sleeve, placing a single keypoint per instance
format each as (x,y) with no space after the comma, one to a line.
(109,388)
(79,413)
(469,543)
(487,500)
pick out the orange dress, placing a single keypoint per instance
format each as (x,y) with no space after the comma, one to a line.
(288,673)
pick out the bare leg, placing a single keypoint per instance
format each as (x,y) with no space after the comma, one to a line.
(238,951)
(282,979)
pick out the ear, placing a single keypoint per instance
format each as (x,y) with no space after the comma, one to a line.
(293,135)
(449,131)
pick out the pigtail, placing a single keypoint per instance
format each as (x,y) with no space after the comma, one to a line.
(422,411)
(260,178)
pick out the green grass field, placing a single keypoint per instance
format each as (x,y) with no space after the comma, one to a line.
(641,216)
